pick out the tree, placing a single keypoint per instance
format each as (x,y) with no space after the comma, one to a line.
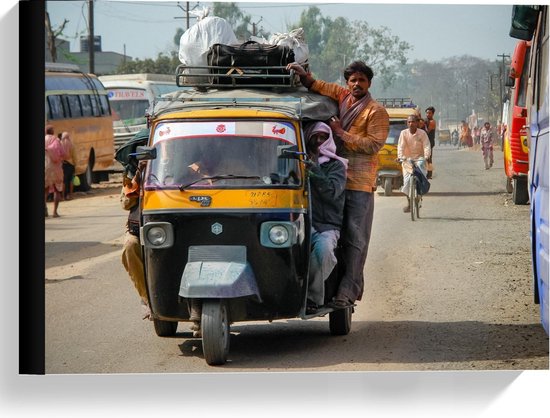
(333,44)
(163,64)
(382,51)
(454,86)
(52,35)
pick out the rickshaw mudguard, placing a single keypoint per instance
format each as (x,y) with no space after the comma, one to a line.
(389,173)
(218,280)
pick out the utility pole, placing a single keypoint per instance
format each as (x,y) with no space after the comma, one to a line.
(186,10)
(91,43)
(254,31)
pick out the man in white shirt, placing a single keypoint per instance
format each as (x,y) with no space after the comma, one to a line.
(413,144)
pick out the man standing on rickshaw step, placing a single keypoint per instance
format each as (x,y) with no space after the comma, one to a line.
(413,144)
(327,177)
(361,131)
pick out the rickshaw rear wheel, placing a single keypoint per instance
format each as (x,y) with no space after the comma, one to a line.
(165,328)
(388,181)
(215,331)
(340,321)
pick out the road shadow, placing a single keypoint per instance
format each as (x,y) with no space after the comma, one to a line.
(464,194)
(62,253)
(309,345)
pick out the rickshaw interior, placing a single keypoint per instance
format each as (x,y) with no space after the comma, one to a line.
(242,155)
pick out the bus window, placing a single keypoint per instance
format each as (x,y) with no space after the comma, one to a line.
(55,108)
(86,105)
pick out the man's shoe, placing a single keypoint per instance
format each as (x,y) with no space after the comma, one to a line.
(196,328)
(195,310)
(339,303)
(407,209)
(311,309)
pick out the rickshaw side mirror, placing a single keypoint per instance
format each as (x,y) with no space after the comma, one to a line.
(289,152)
(145,153)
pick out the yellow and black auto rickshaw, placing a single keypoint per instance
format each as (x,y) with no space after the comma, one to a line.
(226,216)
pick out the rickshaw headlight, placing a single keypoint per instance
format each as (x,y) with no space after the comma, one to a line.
(278,235)
(157,235)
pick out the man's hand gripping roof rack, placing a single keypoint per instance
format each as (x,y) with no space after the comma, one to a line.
(289,105)
(232,77)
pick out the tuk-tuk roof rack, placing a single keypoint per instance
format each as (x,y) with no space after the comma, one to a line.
(209,76)
(289,105)
(405,102)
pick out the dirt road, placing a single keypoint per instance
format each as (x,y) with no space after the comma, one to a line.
(451,291)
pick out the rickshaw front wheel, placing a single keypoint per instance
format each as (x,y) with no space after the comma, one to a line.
(215,331)
(340,321)
(165,328)
(388,181)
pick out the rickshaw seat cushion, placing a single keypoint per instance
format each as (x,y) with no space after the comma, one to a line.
(218,279)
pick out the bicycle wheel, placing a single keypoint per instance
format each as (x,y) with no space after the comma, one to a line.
(412,196)
(417,205)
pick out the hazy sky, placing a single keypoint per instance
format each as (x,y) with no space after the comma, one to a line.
(143,29)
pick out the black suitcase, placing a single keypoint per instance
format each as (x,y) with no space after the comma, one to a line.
(249,63)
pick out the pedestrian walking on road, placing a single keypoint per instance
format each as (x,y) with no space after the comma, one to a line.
(68,165)
(430,126)
(53,169)
(487,139)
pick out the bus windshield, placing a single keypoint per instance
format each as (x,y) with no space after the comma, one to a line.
(227,154)
(128,106)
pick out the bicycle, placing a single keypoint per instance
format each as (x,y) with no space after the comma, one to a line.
(415,199)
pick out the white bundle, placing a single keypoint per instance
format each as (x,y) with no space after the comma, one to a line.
(197,40)
(296,41)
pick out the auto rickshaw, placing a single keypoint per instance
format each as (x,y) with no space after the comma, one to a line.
(225,210)
(389,174)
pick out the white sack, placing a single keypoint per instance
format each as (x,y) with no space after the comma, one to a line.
(295,39)
(195,41)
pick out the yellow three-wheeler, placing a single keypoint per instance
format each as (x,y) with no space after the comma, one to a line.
(226,216)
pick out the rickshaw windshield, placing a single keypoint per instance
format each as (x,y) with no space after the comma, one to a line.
(396,126)
(222,154)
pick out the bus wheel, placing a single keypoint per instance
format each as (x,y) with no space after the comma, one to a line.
(86,179)
(520,195)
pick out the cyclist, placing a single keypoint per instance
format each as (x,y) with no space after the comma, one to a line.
(414,145)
